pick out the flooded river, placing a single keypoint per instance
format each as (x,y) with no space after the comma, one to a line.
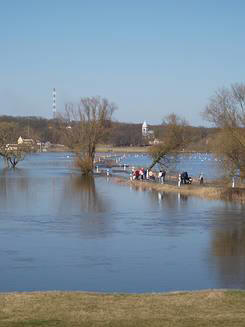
(59,231)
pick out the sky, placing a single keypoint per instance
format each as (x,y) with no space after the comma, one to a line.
(151,58)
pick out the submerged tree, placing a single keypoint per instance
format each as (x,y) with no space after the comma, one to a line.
(14,155)
(226,110)
(86,126)
(174,138)
(11,152)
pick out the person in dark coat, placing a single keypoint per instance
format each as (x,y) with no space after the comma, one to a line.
(184,177)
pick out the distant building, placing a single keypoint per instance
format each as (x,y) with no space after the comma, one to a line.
(144,129)
(28,143)
(22,141)
(11,147)
(146,132)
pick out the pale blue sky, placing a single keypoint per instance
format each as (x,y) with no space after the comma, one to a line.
(149,57)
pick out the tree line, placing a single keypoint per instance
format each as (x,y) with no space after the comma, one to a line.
(84,125)
(119,133)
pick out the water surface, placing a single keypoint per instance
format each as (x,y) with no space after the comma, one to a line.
(59,231)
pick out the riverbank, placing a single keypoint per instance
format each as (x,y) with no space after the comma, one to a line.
(122,149)
(103,149)
(210,191)
(133,149)
(62,309)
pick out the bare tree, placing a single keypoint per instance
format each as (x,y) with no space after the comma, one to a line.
(86,126)
(12,153)
(14,156)
(174,138)
(226,110)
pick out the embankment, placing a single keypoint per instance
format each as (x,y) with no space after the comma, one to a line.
(208,191)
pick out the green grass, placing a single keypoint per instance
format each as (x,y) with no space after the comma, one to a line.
(199,309)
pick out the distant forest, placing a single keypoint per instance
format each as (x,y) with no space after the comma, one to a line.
(119,134)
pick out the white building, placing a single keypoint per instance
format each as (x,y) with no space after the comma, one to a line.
(146,132)
(25,141)
(145,129)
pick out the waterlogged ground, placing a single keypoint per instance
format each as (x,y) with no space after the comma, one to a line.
(59,231)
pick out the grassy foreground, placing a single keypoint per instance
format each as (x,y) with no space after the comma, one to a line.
(199,309)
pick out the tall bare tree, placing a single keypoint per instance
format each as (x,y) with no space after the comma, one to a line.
(86,126)
(226,110)
(174,138)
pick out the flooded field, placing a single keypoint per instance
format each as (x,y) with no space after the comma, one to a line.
(59,231)
(193,163)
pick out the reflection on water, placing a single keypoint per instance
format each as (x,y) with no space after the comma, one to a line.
(80,198)
(228,247)
(169,200)
(13,184)
(62,197)
(59,230)
(16,186)
(83,192)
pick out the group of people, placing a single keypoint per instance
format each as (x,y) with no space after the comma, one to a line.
(141,174)
(161,176)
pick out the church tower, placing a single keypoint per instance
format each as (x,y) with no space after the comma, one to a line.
(145,129)
(54,103)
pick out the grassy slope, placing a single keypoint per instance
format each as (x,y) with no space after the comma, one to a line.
(205,308)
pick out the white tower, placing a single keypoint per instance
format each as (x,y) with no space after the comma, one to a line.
(145,129)
(54,103)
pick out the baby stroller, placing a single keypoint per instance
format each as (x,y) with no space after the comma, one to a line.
(185,179)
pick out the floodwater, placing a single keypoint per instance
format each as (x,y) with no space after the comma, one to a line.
(59,231)
(193,163)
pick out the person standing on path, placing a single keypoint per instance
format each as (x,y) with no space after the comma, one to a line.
(201,180)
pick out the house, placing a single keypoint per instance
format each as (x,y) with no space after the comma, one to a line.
(28,142)
(11,147)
